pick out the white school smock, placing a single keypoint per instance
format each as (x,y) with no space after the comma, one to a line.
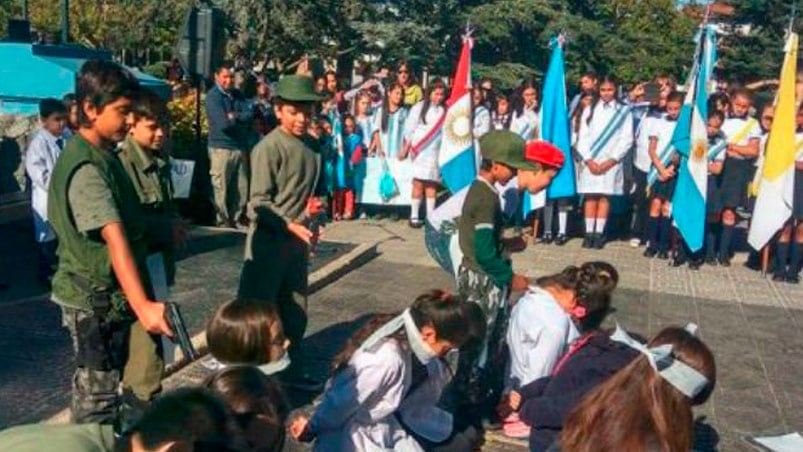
(720,156)
(362,404)
(390,140)
(539,333)
(612,182)
(482,122)
(642,159)
(40,159)
(732,126)
(425,165)
(527,125)
(662,129)
(366,126)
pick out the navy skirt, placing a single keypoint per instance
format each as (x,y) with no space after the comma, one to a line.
(664,190)
(736,175)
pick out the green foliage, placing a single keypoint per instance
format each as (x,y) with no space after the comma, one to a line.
(632,39)
(158,69)
(758,54)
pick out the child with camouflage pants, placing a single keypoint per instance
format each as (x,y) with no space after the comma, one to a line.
(486,276)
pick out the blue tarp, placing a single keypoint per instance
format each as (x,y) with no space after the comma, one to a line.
(31,72)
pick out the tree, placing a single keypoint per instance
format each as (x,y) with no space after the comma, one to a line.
(758,53)
(632,39)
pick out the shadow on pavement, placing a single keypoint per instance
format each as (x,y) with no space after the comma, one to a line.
(319,350)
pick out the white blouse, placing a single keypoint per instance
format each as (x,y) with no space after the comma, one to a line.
(539,333)
(363,404)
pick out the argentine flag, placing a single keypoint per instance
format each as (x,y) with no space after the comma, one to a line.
(457,159)
(688,202)
(555,129)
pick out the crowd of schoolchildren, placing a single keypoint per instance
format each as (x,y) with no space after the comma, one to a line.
(626,168)
(527,357)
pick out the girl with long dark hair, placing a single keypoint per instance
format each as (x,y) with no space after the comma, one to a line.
(525,120)
(387,381)
(604,138)
(422,145)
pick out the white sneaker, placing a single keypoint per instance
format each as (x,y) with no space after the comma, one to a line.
(635,243)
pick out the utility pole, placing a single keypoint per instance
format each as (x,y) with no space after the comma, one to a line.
(65,21)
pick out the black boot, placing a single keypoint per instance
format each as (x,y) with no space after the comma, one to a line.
(681,255)
(599,241)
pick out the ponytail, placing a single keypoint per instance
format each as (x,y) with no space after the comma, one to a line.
(593,283)
(385,111)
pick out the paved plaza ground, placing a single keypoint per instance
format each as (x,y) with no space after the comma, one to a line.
(752,325)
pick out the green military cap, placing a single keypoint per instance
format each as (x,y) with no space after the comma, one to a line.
(506,147)
(296,88)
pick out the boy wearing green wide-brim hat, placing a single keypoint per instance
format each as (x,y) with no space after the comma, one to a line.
(485,275)
(283,201)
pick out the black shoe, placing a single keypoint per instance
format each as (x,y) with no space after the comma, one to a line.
(711,260)
(792,278)
(587,241)
(724,261)
(599,242)
(415,223)
(547,238)
(663,255)
(678,261)
(650,252)
(753,262)
(779,276)
(561,240)
(695,264)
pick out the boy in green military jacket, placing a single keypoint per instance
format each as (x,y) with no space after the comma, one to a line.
(101,281)
(285,184)
(149,171)
(486,276)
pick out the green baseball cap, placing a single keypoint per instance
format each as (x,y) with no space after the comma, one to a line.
(506,147)
(296,88)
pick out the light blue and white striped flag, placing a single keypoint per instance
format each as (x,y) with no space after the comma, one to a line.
(688,202)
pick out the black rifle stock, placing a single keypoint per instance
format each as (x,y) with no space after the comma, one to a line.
(180,335)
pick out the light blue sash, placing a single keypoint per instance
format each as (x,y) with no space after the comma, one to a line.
(610,129)
(665,157)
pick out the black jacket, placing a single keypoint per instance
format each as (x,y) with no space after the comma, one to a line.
(547,402)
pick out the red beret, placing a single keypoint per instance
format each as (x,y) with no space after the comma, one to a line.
(545,153)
